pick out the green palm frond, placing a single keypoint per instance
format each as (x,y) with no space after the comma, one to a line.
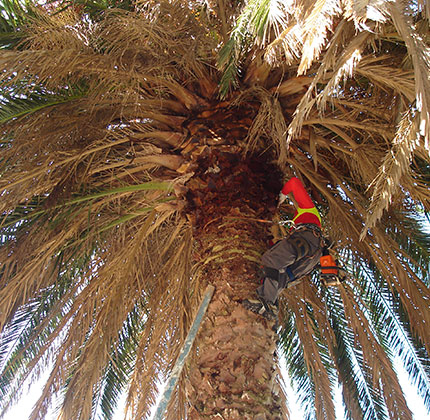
(15,103)
(24,341)
(117,375)
(415,246)
(394,334)
(357,396)
(355,393)
(256,21)
(390,320)
(291,348)
(15,14)
(38,205)
(371,400)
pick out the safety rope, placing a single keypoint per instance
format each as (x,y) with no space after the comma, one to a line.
(252,219)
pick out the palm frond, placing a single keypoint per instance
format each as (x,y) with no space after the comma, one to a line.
(415,245)
(360,402)
(15,105)
(121,364)
(420,55)
(380,370)
(388,318)
(318,361)
(92,7)
(395,163)
(268,124)
(319,17)
(255,24)
(15,15)
(291,349)
(24,340)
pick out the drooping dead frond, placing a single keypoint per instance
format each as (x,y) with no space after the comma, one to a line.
(361,12)
(349,58)
(269,124)
(394,166)
(420,55)
(287,46)
(317,22)
(128,274)
(400,80)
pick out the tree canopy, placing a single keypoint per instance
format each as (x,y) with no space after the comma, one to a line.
(126,129)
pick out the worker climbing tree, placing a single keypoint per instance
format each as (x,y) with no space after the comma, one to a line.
(143,148)
(295,256)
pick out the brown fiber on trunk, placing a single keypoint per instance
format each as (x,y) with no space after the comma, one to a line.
(233,371)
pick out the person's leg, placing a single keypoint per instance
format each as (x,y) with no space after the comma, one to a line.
(286,252)
(269,290)
(283,254)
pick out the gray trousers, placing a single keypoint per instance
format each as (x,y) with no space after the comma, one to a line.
(269,290)
(300,252)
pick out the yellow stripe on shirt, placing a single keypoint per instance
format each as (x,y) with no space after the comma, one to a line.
(312,210)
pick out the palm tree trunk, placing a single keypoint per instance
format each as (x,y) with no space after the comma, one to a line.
(233,373)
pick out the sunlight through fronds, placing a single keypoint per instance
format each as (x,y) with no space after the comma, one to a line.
(143,147)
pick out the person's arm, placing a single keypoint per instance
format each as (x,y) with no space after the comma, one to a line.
(299,192)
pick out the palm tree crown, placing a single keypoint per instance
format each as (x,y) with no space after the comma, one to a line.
(143,145)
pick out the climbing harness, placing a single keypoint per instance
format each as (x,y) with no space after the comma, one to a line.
(331,274)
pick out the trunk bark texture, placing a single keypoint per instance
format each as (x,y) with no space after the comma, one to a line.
(233,373)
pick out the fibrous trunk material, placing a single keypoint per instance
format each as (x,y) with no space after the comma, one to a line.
(233,372)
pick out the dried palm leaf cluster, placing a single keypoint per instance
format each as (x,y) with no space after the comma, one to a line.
(141,142)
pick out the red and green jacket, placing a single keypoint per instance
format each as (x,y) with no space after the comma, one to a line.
(307,212)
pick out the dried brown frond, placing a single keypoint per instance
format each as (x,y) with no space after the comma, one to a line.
(344,66)
(268,126)
(317,22)
(161,341)
(65,227)
(130,268)
(343,31)
(286,47)
(385,76)
(394,166)
(420,55)
(363,12)
(296,299)
(135,52)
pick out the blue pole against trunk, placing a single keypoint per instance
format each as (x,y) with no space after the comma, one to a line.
(177,369)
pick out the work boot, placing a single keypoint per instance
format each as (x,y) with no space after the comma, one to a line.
(261,307)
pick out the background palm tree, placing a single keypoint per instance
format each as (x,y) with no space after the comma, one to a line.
(143,144)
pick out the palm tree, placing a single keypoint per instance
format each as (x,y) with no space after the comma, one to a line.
(143,148)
